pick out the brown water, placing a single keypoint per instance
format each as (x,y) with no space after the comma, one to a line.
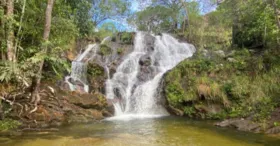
(167,131)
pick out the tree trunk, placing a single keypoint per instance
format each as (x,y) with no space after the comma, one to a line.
(10,31)
(36,83)
(18,38)
(2,30)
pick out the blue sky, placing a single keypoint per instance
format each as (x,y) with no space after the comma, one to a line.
(134,5)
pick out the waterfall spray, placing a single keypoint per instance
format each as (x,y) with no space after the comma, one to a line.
(134,85)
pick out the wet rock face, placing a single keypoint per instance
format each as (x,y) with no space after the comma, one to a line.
(147,71)
(145,60)
(149,41)
(160,94)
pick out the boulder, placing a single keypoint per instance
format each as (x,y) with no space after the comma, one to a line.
(145,60)
(145,73)
(175,111)
(240,124)
(210,109)
(274,130)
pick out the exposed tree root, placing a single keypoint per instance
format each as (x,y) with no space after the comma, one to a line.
(19,101)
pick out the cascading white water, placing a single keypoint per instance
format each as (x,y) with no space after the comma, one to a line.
(133,87)
(79,68)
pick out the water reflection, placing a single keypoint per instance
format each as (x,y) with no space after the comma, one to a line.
(166,131)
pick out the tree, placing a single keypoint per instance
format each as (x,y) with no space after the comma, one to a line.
(109,9)
(161,15)
(167,16)
(47,29)
(154,19)
(81,11)
(177,7)
(253,22)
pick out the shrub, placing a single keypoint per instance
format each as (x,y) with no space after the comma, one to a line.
(126,38)
(105,50)
(189,111)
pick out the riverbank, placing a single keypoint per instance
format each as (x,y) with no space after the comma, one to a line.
(240,87)
(59,107)
(58,104)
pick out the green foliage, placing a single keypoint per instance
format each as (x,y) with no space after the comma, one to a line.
(217,116)
(104,10)
(79,11)
(255,24)
(175,94)
(95,70)
(8,124)
(189,111)
(120,50)
(126,38)
(70,20)
(214,31)
(16,72)
(105,50)
(155,19)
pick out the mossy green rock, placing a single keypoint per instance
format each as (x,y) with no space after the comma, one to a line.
(216,88)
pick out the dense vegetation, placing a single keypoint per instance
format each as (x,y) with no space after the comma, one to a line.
(36,40)
(236,70)
(236,67)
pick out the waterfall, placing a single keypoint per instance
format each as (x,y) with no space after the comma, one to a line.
(133,87)
(77,80)
(78,77)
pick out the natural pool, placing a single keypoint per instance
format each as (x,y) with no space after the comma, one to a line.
(167,131)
